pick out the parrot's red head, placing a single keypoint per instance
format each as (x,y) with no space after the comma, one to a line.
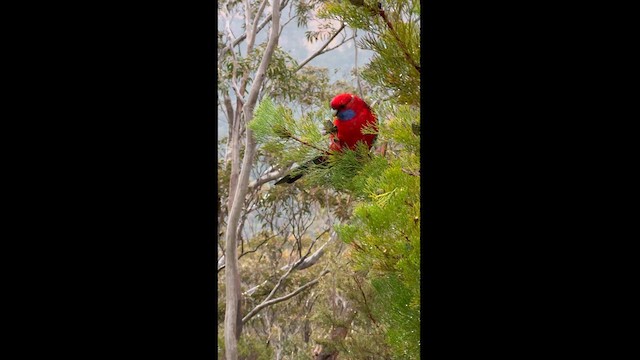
(342,100)
(347,106)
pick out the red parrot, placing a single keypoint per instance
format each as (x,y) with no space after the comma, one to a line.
(351,117)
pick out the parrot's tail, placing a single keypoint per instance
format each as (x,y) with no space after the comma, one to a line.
(300,171)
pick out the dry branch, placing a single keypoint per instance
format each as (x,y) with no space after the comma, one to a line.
(265,304)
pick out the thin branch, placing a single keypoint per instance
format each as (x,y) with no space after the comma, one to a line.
(307,144)
(221,261)
(280,281)
(319,51)
(267,177)
(234,71)
(366,304)
(242,37)
(257,247)
(400,43)
(308,261)
(247,20)
(265,304)
(290,268)
(342,42)
(287,22)
(260,11)
(253,289)
(229,109)
(412,173)
(355,47)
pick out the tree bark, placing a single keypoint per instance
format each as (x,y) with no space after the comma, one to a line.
(233,315)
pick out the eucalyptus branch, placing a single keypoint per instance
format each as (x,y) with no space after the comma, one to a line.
(260,11)
(234,71)
(279,283)
(342,42)
(287,22)
(247,17)
(308,261)
(289,268)
(265,304)
(253,26)
(257,247)
(234,75)
(253,289)
(319,51)
(222,264)
(229,108)
(267,177)
(242,37)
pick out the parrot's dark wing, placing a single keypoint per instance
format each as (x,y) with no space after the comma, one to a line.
(300,171)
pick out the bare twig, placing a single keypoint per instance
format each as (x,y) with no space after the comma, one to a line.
(266,178)
(242,37)
(412,173)
(265,304)
(221,261)
(319,51)
(257,247)
(355,47)
(253,289)
(344,41)
(297,265)
(311,260)
(364,297)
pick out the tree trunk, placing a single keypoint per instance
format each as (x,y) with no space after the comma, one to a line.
(233,315)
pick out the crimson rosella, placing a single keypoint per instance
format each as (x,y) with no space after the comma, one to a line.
(351,117)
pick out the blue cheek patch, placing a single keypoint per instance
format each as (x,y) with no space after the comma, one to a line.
(346,114)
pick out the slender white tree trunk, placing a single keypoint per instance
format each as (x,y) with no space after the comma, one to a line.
(233,315)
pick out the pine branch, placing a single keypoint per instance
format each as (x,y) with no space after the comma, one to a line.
(307,144)
(400,43)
